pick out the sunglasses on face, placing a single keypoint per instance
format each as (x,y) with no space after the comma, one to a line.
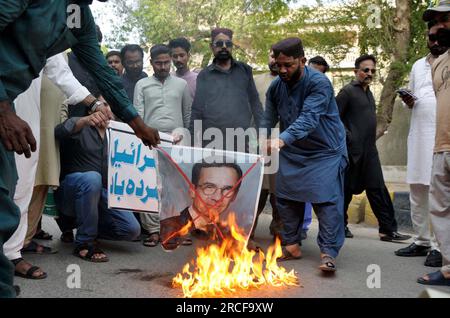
(227,44)
(432,37)
(444,18)
(366,70)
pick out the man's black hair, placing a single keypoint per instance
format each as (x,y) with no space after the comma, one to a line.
(130,48)
(363,58)
(319,60)
(159,49)
(211,163)
(180,42)
(215,32)
(113,53)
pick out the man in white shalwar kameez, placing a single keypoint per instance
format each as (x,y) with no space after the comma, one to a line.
(420,152)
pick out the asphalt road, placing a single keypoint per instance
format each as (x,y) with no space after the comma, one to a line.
(138,271)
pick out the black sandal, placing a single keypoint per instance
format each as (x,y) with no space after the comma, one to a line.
(30,271)
(152,240)
(436,279)
(286,256)
(42,235)
(186,241)
(33,248)
(67,237)
(92,249)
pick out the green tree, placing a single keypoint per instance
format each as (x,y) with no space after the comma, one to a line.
(398,42)
(254,23)
(391,30)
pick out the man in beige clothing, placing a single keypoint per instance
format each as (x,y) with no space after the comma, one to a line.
(440,175)
(48,169)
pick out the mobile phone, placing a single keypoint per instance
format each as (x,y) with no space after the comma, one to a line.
(404,92)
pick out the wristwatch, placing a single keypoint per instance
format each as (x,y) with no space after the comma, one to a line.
(95,105)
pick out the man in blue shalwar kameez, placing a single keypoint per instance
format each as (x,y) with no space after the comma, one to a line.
(312,150)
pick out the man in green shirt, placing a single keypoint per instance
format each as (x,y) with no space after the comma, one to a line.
(31,32)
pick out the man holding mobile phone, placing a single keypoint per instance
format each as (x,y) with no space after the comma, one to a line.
(420,150)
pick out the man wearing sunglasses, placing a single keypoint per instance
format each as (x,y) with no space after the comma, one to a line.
(357,109)
(226,96)
(440,173)
(420,151)
(214,188)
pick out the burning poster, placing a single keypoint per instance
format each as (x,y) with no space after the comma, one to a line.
(213,196)
(208,194)
(201,188)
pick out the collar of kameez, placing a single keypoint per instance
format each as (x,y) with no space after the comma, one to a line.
(125,75)
(427,59)
(213,66)
(356,83)
(168,78)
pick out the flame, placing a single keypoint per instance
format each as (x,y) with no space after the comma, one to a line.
(220,270)
(185,229)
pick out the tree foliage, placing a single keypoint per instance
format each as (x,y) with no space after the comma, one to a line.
(391,30)
(254,23)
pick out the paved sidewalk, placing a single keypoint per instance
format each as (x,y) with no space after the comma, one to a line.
(138,271)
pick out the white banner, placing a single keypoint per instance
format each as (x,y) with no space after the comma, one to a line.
(132,176)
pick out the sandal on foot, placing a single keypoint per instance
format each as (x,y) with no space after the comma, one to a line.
(92,249)
(186,241)
(436,279)
(328,264)
(287,256)
(67,237)
(152,240)
(36,248)
(29,273)
(253,246)
(42,235)
(171,244)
